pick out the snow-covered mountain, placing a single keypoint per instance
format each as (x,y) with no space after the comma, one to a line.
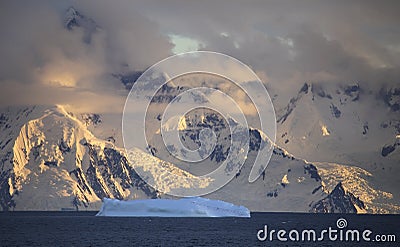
(347,124)
(283,174)
(50,160)
(53,158)
(74,19)
(348,119)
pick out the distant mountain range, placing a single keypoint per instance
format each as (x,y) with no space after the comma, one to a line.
(51,160)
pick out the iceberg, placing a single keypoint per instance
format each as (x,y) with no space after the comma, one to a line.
(185,207)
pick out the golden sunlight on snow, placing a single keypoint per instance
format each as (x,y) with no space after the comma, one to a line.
(182,123)
(285,180)
(325,131)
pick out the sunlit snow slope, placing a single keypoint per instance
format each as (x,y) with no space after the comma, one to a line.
(51,161)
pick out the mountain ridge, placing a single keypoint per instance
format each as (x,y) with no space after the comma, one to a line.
(58,163)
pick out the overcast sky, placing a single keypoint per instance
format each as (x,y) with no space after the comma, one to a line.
(286,42)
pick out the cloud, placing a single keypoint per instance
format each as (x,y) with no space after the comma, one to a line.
(45,63)
(292,42)
(131,36)
(285,42)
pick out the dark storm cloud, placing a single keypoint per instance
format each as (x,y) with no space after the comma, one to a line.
(286,42)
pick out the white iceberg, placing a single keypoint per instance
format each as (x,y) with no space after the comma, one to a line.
(185,207)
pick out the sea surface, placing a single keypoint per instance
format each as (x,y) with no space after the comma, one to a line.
(85,229)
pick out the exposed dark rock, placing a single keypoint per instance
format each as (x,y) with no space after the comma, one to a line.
(292,104)
(316,189)
(50,163)
(352,91)
(312,170)
(111,139)
(335,111)
(386,150)
(278,151)
(6,200)
(129,79)
(64,148)
(391,97)
(304,89)
(272,193)
(220,153)
(3,119)
(74,19)
(255,140)
(338,201)
(81,181)
(318,90)
(91,119)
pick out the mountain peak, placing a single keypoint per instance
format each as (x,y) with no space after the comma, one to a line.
(54,157)
(339,201)
(74,19)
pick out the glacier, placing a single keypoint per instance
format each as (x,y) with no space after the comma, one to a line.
(185,207)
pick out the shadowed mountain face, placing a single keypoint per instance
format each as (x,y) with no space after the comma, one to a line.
(339,201)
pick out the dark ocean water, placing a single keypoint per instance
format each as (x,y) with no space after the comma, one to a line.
(84,229)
